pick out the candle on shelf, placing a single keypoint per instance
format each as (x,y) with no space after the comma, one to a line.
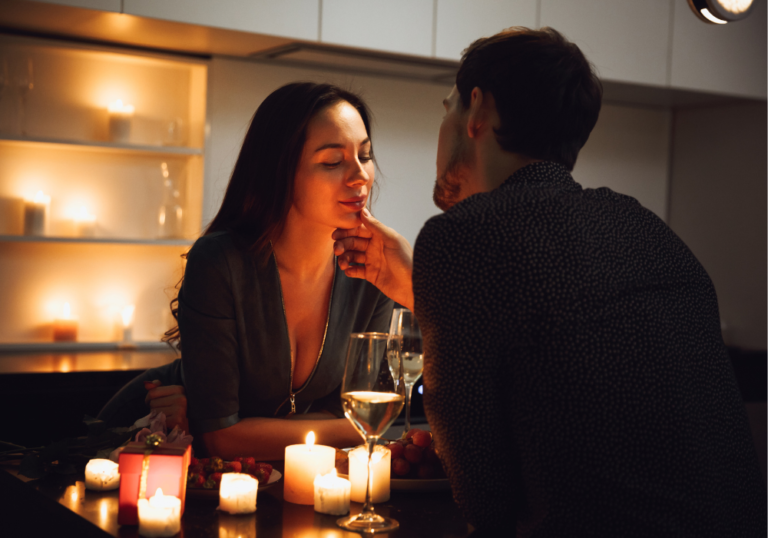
(160,515)
(358,473)
(102,475)
(127,318)
(120,117)
(332,494)
(84,223)
(302,464)
(65,328)
(237,493)
(36,214)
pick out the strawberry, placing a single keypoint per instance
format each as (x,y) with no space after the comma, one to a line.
(233,467)
(216,464)
(197,468)
(216,477)
(261,471)
(193,461)
(210,484)
(239,459)
(195,480)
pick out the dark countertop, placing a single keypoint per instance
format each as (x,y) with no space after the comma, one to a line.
(60,505)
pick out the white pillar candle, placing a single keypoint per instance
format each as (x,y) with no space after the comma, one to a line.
(160,515)
(36,214)
(101,475)
(120,117)
(126,316)
(332,494)
(237,493)
(358,473)
(302,464)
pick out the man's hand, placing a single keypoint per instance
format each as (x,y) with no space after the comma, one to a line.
(385,257)
(171,400)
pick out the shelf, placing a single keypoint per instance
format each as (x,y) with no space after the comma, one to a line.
(102,240)
(73,347)
(102,146)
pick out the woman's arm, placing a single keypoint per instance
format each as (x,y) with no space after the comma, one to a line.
(266,438)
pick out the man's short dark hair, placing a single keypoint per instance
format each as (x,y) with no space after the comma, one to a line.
(547,94)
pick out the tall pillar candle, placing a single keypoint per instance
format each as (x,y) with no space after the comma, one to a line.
(358,473)
(302,464)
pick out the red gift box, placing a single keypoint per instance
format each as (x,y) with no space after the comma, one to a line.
(167,470)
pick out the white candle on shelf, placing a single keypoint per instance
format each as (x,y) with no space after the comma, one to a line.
(358,473)
(126,316)
(36,214)
(101,475)
(120,117)
(160,515)
(65,328)
(84,223)
(237,493)
(332,494)
(302,464)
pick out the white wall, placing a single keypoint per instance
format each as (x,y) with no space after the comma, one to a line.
(718,207)
(627,152)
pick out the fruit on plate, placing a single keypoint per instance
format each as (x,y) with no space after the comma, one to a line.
(415,456)
(206,473)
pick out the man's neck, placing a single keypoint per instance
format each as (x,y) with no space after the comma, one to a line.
(495,167)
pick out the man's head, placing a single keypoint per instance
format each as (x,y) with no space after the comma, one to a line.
(545,97)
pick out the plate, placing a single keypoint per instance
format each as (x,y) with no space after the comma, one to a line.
(274,476)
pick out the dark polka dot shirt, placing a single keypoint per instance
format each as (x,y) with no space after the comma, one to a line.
(575,375)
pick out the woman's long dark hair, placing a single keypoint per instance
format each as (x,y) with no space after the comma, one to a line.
(260,191)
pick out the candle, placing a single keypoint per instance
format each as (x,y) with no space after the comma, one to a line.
(160,515)
(102,475)
(36,214)
(127,318)
(302,464)
(358,473)
(237,493)
(84,223)
(120,117)
(65,328)
(332,494)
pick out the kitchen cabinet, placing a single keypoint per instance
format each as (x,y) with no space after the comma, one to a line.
(287,18)
(627,41)
(101,5)
(142,186)
(459,22)
(401,26)
(716,58)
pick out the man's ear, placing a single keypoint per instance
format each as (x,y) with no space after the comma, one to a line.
(477,115)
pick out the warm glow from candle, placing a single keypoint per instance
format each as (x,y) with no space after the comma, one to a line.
(310,439)
(81,215)
(41,198)
(127,315)
(67,312)
(119,107)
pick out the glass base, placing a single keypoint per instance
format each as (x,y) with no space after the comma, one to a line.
(368,523)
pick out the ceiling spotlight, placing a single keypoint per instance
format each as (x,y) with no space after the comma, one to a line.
(721,11)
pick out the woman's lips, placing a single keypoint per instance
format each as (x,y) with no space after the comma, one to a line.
(356,203)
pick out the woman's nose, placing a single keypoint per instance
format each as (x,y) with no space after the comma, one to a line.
(358,174)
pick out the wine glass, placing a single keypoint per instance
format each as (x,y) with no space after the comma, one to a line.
(405,338)
(372,400)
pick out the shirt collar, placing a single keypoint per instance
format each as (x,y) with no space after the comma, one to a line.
(541,173)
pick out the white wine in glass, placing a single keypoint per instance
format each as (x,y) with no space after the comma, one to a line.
(405,340)
(372,398)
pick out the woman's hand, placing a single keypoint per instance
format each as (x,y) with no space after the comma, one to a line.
(385,257)
(171,400)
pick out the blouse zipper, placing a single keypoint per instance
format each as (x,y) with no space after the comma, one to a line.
(291,393)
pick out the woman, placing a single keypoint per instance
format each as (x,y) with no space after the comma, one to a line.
(264,311)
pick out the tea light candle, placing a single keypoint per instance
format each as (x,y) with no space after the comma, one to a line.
(160,515)
(302,464)
(332,494)
(36,214)
(358,473)
(101,475)
(65,329)
(84,223)
(120,117)
(237,493)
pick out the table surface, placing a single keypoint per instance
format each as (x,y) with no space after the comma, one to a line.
(420,513)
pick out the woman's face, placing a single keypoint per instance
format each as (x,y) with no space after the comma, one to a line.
(335,174)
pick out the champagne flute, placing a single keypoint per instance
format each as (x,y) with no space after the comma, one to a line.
(371,399)
(405,334)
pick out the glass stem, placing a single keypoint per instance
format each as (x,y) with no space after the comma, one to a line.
(408,392)
(368,507)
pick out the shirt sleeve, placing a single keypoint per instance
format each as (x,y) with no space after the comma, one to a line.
(463,376)
(209,339)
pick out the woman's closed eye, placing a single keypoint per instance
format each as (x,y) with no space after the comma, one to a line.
(361,158)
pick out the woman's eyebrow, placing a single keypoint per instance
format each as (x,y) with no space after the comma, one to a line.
(331,145)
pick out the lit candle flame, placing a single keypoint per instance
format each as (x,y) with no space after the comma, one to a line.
(310,439)
(127,315)
(41,198)
(67,311)
(118,106)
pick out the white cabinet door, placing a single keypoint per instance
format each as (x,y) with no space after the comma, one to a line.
(626,40)
(101,5)
(460,22)
(286,18)
(403,26)
(728,58)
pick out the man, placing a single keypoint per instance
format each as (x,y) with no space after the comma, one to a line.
(575,376)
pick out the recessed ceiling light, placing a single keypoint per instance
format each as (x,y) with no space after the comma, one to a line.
(721,11)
